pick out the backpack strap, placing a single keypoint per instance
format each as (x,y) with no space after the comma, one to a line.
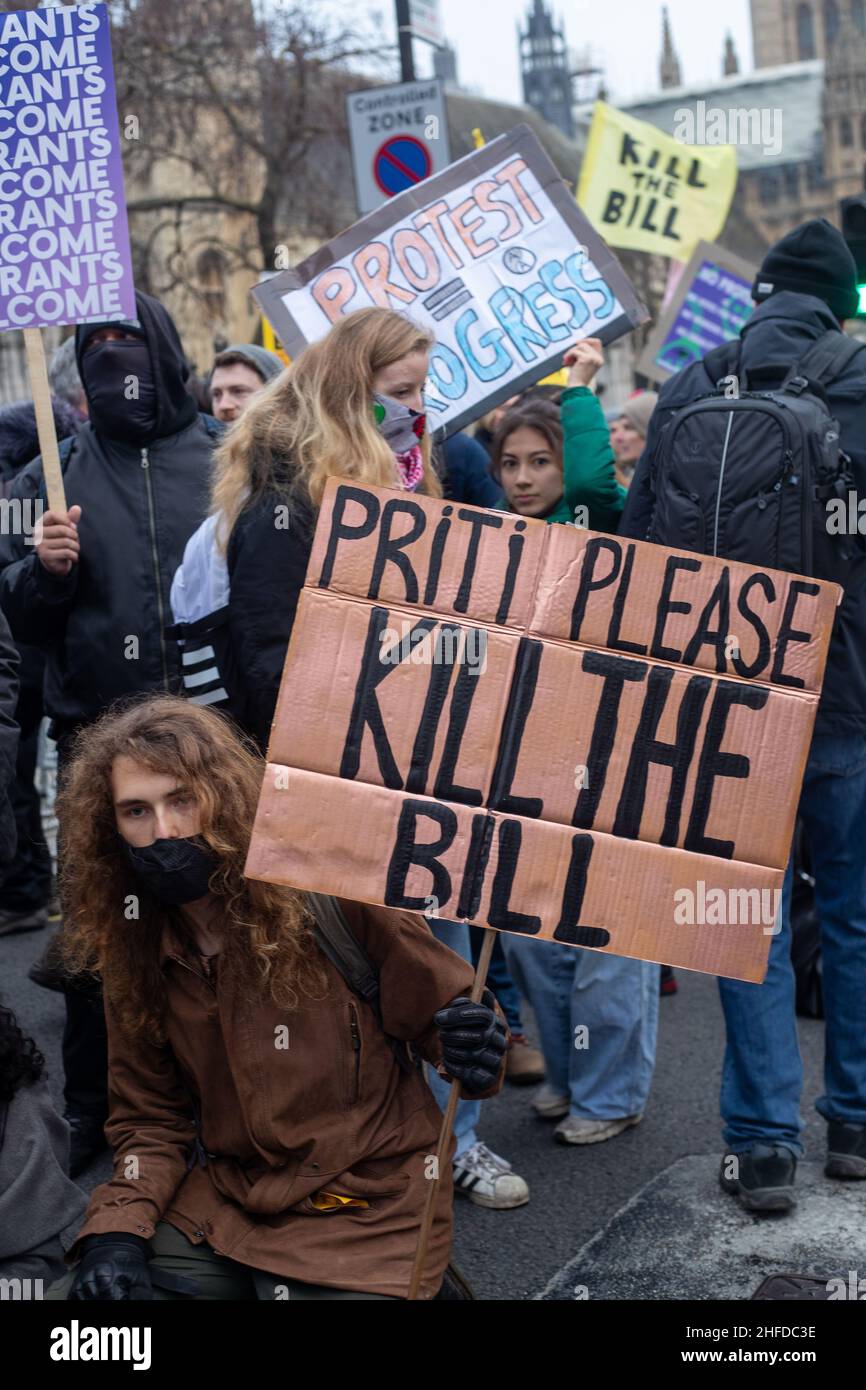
(724,360)
(827,357)
(338,942)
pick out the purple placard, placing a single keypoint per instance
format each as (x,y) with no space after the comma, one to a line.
(64,241)
(716,305)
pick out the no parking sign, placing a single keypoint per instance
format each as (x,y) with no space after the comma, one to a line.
(399,137)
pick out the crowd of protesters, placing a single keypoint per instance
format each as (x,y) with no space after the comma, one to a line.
(150,625)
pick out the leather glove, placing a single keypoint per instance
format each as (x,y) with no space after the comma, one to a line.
(473,1041)
(112,1267)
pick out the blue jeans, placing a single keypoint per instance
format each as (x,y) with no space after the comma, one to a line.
(499,979)
(455,935)
(762,1077)
(607,1070)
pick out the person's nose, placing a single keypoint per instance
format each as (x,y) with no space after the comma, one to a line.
(416,401)
(166,824)
(523,478)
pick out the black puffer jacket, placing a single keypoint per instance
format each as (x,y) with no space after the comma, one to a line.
(778,333)
(102,625)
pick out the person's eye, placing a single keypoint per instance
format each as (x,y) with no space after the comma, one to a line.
(135,812)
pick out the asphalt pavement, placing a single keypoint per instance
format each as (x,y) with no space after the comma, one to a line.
(578,1193)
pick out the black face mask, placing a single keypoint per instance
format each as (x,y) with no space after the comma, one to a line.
(175,871)
(120,389)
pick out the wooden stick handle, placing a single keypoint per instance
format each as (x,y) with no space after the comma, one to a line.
(41,393)
(447,1126)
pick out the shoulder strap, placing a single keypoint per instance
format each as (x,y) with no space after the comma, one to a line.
(723,360)
(827,357)
(339,943)
(343,949)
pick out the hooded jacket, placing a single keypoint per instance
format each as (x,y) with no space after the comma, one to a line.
(102,624)
(778,333)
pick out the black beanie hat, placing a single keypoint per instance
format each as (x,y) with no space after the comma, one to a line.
(813,259)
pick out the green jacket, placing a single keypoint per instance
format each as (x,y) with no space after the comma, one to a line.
(588,464)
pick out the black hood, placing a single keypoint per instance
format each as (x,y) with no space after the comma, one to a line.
(19,440)
(175,407)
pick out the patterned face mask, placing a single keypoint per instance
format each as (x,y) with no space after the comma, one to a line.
(400,427)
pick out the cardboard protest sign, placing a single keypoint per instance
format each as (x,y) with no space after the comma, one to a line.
(542,730)
(645,191)
(712,302)
(64,243)
(491,255)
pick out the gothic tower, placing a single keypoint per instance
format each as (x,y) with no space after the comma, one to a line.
(669,64)
(545,69)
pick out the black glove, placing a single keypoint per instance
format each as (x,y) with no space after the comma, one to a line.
(473,1041)
(112,1267)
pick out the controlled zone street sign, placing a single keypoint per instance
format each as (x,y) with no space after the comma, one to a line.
(399,137)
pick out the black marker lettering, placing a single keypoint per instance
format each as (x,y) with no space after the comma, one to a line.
(741,667)
(789,634)
(480,844)
(515,555)
(520,698)
(666,606)
(439,538)
(715,764)
(613,637)
(646,749)
(501,915)
(713,637)
(477,520)
(340,532)
(389,549)
(407,852)
(586,585)
(615,670)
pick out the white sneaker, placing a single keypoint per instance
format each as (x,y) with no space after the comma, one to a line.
(574,1130)
(488,1180)
(550,1104)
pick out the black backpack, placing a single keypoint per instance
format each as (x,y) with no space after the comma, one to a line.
(746,473)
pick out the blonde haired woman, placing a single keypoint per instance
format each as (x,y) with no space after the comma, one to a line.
(351,405)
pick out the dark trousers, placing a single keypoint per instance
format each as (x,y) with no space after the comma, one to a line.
(26,885)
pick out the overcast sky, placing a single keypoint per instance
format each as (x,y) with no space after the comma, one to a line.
(622,36)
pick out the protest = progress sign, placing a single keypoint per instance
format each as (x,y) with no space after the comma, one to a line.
(492,255)
(64,244)
(540,729)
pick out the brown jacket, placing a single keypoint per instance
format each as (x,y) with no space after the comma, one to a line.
(290,1104)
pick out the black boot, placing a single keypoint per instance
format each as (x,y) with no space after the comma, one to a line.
(846,1150)
(762,1178)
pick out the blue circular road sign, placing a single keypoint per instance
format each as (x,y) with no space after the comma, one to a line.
(401,162)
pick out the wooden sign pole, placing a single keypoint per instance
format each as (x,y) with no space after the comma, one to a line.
(447,1126)
(41,393)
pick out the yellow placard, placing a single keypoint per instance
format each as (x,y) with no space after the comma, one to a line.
(645,191)
(272,342)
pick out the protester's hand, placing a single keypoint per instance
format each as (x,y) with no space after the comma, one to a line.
(583,361)
(57,541)
(112,1268)
(473,1041)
